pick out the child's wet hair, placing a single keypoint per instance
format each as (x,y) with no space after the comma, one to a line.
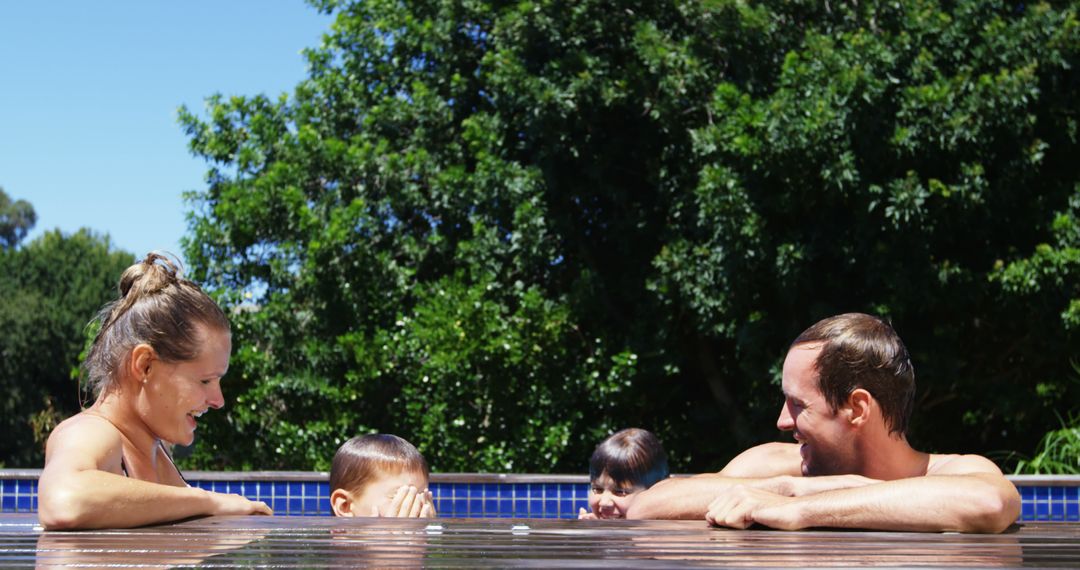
(363,458)
(633,456)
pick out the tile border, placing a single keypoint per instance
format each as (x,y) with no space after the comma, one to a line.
(496,478)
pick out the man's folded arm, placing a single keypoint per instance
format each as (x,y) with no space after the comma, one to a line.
(682,497)
(976,502)
(968,494)
(760,467)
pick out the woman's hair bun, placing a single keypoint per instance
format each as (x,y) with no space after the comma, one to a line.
(149,276)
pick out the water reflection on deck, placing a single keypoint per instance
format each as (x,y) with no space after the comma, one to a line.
(444,543)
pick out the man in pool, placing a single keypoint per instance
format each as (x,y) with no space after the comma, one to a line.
(849,388)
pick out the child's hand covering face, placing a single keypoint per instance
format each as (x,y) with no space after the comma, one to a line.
(408,501)
(399,495)
(582,514)
(610,500)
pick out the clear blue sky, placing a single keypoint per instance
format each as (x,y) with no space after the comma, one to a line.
(89,93)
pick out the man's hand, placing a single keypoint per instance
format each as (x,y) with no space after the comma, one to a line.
(741,506)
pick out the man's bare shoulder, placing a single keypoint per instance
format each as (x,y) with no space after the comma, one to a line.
(766,460)
(958,464)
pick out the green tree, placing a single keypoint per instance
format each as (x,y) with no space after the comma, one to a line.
(911,159)
(503,229)
(50,288)
(16,220)
(1058,452)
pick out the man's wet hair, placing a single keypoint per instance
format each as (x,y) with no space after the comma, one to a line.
(633,456)
(863,351)
(364,458)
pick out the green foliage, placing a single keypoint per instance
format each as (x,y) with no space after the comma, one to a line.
(906,164)
(1058,452)
(49,289)
(16,220)
(504,229)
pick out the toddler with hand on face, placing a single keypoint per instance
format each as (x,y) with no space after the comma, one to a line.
(380,475)
(623,465)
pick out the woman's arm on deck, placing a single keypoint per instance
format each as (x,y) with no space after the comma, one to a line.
(75,492)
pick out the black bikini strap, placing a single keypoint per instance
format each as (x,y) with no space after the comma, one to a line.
(172,462)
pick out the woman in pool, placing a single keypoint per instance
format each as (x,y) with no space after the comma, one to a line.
(156,366)
(623,465)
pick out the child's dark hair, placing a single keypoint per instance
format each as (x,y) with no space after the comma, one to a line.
(362,458)
(632,456)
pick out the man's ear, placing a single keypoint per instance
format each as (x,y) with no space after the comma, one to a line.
(342,503)
(859,406)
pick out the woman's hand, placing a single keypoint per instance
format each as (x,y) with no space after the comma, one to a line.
(232,504)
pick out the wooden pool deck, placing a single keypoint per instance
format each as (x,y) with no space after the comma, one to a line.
(326,542)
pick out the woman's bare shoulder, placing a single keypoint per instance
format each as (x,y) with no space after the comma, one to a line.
(87,424)
(86,435)
(765,460)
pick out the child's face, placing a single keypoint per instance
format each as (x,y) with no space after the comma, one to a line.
(609,499)
(379,493)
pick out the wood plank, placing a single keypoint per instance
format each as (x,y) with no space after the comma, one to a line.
(333,542)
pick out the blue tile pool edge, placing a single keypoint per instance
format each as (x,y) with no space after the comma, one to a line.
(471,495)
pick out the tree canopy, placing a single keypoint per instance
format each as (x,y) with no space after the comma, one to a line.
(504,229)
(50,288)
(16,220)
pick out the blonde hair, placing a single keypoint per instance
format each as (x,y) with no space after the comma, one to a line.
(363,458)
(157,307)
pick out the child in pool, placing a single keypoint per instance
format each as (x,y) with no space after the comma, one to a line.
(380,475)
(622,466)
